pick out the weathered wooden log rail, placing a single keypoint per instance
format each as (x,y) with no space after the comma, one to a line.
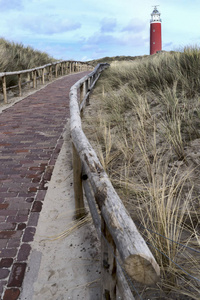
(41,73)
(122,246)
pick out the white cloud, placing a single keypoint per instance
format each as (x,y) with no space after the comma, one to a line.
(48,25)
(135,25)
(11,5)
(108,24)
(88,47)
(89,28)
(99,38)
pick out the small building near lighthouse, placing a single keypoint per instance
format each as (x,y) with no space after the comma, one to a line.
(155,32)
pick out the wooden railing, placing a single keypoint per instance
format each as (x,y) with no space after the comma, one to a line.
(31,76)
(122,247)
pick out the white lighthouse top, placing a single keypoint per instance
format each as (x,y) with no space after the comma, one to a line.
(155,16)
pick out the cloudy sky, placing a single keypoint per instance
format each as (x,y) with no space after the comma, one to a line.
(88,29)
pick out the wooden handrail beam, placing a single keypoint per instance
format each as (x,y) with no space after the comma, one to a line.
(41,75)
(137,259)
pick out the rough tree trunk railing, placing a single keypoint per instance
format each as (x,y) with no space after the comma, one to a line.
(33,75)
(122,246)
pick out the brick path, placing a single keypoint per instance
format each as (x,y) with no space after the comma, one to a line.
(30,140)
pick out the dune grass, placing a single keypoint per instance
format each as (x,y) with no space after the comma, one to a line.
(16,57)
(146,116)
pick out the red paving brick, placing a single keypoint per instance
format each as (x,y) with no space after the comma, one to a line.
(30,141)
(11,294)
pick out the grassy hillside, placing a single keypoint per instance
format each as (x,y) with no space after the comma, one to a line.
(109,60)
(144,122)
(14,57)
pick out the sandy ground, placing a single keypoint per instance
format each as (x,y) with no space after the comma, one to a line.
(65,268)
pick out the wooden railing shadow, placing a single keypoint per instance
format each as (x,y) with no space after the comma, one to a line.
(123,250)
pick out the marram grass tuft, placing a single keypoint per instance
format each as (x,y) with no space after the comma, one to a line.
(144,123)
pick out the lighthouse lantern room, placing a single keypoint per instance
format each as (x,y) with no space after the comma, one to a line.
(155,32)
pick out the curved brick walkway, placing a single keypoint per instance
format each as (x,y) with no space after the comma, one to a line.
(30,140)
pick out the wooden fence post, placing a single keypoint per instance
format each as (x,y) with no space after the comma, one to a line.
(29,78)
(91,80)
(4,89)
(78,190)
(50,73)
(82,92)
(40,76)
(62,69)
(43,80)
(108,264)
(86,86)
(20,84)
(34,79)
(56,70)
(67,68)
(87,89)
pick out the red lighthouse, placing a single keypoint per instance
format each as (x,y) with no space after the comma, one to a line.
(155,32)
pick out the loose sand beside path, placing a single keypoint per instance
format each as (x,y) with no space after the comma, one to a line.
(67,268)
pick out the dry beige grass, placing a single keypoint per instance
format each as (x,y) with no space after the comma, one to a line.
(15,56)
(144,123)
